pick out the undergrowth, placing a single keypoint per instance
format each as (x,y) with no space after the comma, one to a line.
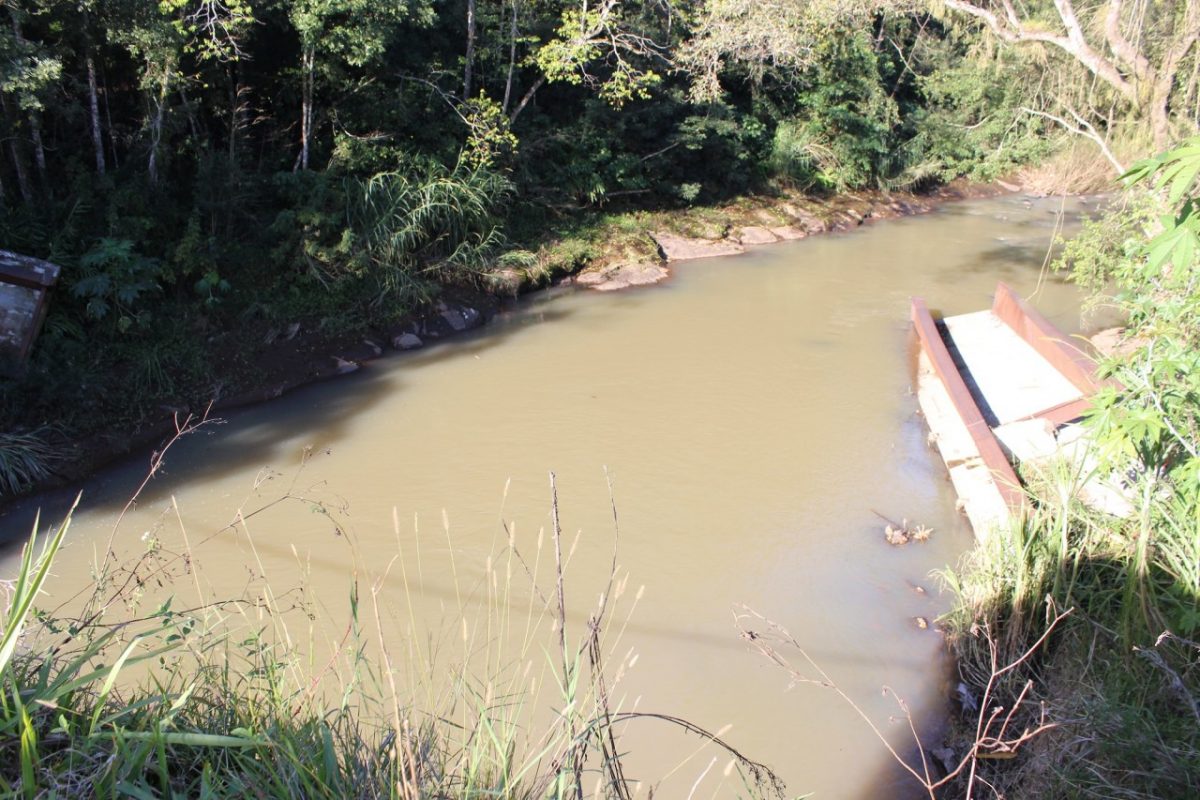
(1121,679)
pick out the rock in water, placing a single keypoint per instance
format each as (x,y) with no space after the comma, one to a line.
(455,320)
(344,366)
(407,341)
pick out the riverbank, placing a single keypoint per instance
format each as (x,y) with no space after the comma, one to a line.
(263,358)
(1076,631)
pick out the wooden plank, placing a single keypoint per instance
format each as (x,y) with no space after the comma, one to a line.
(984,439)
(1042,335)
(33,273)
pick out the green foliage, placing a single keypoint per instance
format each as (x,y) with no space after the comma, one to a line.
(425,221)
(847,114)
(601,33)
(972,122)
(25,459)
(115,283)
(490,143)
(1154,418)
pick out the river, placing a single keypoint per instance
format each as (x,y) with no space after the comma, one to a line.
(755,416)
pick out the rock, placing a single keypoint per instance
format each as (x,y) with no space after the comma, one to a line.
(364,351)
(622,276)
(1109,342)
(407,341)
(945,757)
(755,235)
(506,281)
(626,275)
(786,233)
(342,366)
(455,319)
(471,317)
(682,248)
(592,276)
(806,221)
(292,330)
(965,698)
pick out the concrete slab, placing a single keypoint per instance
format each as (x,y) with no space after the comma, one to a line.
(1013,380)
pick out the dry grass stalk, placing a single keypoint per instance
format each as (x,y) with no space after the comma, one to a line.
(991,742)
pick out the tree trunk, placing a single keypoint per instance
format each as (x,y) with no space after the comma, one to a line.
(112,140)
(39,150)
(19,168)
(193,123)
(14,153)
(156,125)
(512,58)
(35,125)
(470,49)
(525,100)
(235,122)
(94,108)
(308,58)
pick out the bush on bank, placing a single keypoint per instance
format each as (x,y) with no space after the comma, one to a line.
(1121,678)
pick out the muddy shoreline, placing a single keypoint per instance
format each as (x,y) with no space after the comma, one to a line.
(283,359)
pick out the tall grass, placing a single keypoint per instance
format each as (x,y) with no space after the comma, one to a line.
(1121,676)
(222,699)
(427,221)
(25,459)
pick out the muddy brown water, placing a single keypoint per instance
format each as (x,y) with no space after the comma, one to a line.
(753,414)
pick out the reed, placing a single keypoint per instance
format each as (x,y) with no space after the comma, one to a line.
(25,459)
(427,221)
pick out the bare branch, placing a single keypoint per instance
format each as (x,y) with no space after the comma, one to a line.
(1013,30)
(1082,128)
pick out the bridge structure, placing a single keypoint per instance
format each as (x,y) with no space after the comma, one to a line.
(1004,387)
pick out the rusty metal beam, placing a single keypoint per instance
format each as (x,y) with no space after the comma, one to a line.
(1005,478)
(1049,342)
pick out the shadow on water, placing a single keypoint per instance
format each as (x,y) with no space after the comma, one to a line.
(261,435)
